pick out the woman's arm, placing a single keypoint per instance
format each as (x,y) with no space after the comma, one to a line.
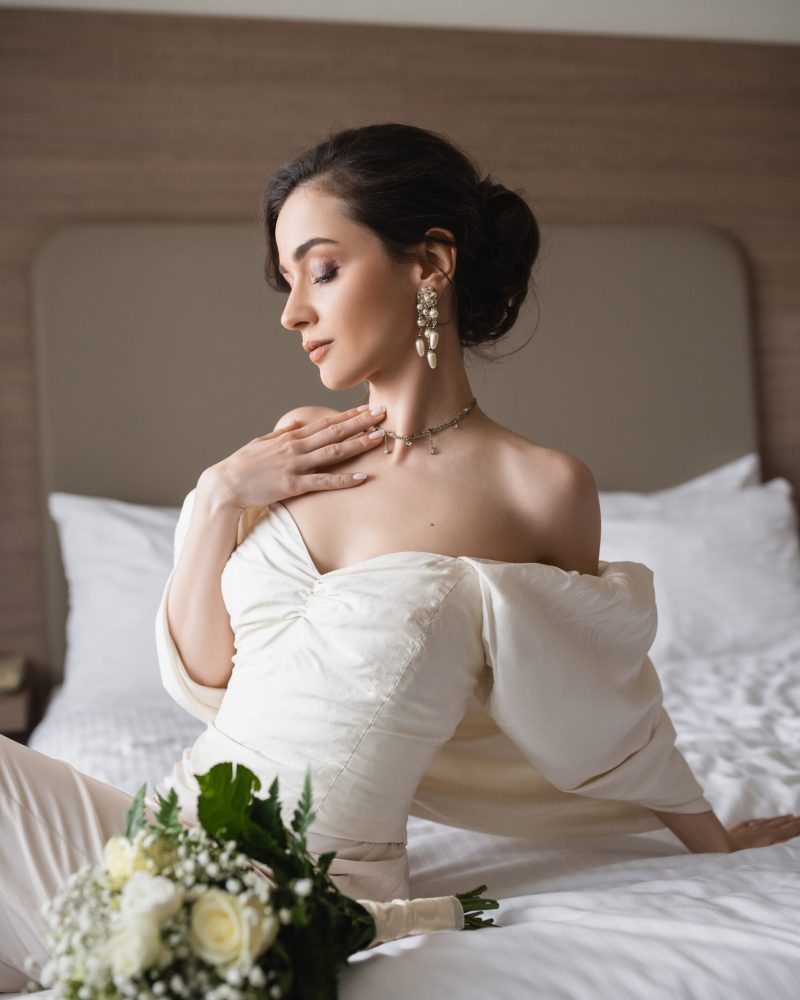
(197,617)
(701,832)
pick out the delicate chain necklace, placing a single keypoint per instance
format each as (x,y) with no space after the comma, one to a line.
(430,431)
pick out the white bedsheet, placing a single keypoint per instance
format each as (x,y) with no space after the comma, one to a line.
(627,918)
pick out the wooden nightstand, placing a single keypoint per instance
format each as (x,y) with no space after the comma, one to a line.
(15,698)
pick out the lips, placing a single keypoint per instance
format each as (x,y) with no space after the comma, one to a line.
(311,345)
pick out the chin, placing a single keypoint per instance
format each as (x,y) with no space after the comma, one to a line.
(339,382)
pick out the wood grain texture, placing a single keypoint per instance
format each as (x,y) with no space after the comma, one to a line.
(107,117)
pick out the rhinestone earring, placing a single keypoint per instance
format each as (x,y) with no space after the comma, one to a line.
(427,314)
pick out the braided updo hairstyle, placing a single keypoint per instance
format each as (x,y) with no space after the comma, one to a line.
(399,181)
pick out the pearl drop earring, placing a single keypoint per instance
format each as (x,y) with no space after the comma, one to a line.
(427,315)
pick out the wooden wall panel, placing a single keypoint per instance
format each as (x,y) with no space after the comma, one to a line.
(142,117)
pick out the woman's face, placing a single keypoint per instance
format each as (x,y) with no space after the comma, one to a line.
(349,292)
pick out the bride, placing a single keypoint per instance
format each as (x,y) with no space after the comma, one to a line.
(406,596)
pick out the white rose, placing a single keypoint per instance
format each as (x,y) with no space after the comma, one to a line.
(118,859)
(122,857)
(135,947)
(226,931)
(153,894)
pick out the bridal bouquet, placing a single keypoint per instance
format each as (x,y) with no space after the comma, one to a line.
(233,908)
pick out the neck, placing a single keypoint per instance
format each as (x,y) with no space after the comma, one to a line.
(418,396)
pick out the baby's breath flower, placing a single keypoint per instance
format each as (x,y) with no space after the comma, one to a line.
(284,915)
(49,972)
(234,977)
(303,886)
(256,976)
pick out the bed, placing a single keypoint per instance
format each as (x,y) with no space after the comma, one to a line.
(635,321)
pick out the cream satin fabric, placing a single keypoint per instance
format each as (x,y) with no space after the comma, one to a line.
(510,698)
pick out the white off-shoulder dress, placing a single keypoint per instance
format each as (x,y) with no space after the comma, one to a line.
(509,698)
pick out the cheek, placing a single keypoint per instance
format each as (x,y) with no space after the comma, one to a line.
(374,308)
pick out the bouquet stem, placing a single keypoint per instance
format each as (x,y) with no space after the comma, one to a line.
(400,918)
(472,903)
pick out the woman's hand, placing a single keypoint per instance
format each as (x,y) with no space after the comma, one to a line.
(763,832)
(703,833)
(284,463)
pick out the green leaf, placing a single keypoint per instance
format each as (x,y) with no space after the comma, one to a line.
(324,861)
(228,810)
(224,801)
(303,814)
(134,815)
(266,813)
(168,812)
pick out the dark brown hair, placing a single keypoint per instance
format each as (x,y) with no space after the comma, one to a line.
(399,181)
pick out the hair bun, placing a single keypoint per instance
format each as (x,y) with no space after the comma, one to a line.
(487,191)
(505,251)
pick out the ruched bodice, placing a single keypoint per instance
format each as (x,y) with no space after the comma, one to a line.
(348,672)
(504,697)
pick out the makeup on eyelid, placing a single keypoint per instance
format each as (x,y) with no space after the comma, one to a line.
(322,277)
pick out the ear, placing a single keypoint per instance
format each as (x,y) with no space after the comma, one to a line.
(436,261)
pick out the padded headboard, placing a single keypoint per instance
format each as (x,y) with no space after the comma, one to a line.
(159,351)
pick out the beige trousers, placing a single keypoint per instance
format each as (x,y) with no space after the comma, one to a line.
(52,820)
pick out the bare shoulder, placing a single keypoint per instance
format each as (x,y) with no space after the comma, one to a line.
(306,414)
(555,497)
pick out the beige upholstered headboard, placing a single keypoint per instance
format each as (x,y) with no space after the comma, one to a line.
(159,350)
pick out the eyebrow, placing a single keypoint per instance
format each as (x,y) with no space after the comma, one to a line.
(303,249)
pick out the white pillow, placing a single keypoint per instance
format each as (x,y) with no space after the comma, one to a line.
(117,557)
(726,567)
(738,474)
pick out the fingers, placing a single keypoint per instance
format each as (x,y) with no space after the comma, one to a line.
(318,481)
(336,440)
(766,830)
(771,820)
(339,426)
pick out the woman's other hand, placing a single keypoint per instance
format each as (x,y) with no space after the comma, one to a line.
(763,832)
(290,461)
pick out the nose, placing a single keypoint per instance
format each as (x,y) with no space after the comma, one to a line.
(297,313)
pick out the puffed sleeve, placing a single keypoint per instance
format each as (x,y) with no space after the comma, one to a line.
(572,685)
(199,700)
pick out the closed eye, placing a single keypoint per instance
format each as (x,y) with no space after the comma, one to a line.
(327,276)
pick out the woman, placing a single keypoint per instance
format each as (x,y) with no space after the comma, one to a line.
(442,640)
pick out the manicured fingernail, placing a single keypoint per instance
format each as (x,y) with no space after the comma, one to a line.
(376,434)
(378,409)
(359,475)
(361,409)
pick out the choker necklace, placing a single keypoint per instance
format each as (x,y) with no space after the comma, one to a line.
(430,431)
